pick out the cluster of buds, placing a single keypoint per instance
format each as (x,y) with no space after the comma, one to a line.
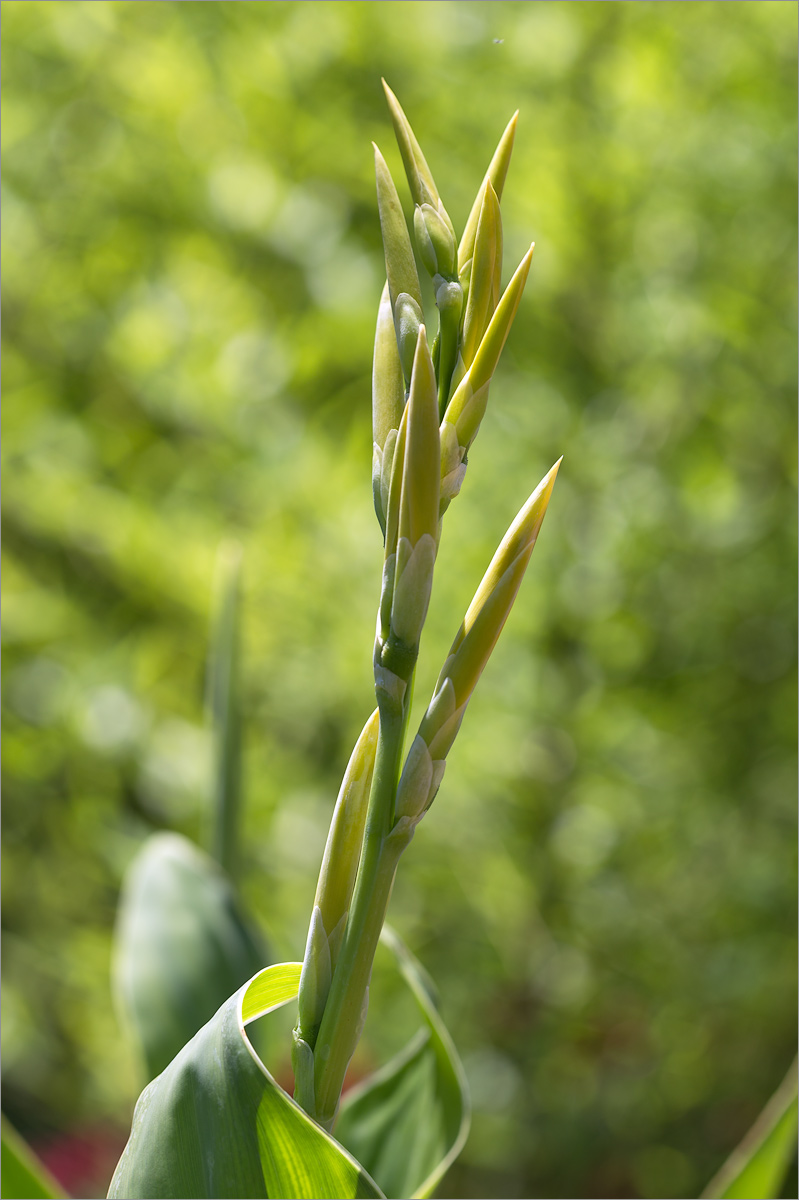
(474,316)
(415,388)
(427,405)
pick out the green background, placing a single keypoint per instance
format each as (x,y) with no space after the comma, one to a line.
(604,887)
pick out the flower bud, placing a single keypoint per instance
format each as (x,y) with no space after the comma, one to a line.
(388,402)
(419,783)
(420,179)
(449,300)
(435,239)
(478,634)
(484,275)
(467,407)
(400,263)
(343,849)
(303,1063)
(412,587)
(314,979)
(412,525)
(407,322)
(422,466)
(496,173)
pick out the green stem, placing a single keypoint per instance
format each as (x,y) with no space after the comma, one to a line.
(342,1020)
(223,708)
(227,790)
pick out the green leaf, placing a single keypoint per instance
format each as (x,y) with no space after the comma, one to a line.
(409,1121)
(222,704)
(216,1123)
(21,1172)
(756,1168)
(181,946)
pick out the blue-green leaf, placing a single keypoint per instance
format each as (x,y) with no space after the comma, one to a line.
(181,946)
(215,1122)
(21,1171)
(756,1168)
(409,1122)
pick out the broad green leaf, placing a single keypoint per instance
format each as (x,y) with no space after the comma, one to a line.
(181,946)
(21,1172)
(756,1168)
(409,1121)
(215,1123)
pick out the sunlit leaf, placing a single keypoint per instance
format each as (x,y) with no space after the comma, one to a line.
(181,946)
(756,1168)
(21,1172)
(409,1121)
(215,1122)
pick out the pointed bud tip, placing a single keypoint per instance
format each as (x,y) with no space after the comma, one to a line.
(422,344)
(548,481)
(533,510)
(539,501)
(509,135)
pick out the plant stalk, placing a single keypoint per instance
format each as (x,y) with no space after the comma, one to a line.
(223,706)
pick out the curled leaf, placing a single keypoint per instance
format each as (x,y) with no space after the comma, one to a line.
(216,1123)
(409,1122)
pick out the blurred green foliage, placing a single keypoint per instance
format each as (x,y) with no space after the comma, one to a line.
(192,265)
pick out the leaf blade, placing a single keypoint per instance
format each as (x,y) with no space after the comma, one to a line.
(216,1123)
(757,1166)
(409,1121)
(181,946)
(21,1172)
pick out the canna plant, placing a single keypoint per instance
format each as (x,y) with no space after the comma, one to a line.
(215,1122)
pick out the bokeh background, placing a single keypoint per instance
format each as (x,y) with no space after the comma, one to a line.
(604,888)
